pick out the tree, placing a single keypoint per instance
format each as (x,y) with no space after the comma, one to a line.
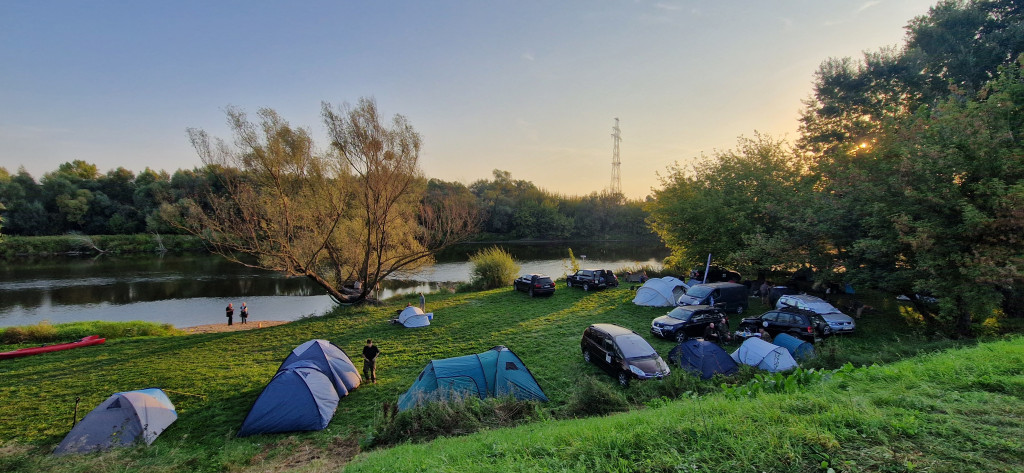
(356,213)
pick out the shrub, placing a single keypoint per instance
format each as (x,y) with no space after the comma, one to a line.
(592,397)
(43,332)
(493,268)
(458,416)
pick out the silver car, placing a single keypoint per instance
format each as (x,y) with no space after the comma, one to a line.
(838,321)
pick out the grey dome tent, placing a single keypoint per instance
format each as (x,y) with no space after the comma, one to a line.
(125,418)
(299,397)
(495,373)
(800,349)
(660,292)
(412,317)
(763,355)
(332,361)
(702,358)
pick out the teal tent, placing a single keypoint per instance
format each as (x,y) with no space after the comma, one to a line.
(495,373)
(800,349)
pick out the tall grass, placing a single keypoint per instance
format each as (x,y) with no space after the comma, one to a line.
(44,332)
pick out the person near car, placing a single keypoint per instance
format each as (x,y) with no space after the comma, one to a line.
(764,335)
(712,333)
(723,330)
(763,290)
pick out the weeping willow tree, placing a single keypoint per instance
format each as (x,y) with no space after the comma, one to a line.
(346,217)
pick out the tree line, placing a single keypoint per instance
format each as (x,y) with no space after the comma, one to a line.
(907,176)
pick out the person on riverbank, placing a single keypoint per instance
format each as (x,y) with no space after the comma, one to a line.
(243,313)
(229,311)
(370,353)
(423,303)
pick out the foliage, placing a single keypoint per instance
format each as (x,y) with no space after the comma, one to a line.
(355,215)
(571,265)
(492,268)
(44,332)
(20,246)
(458,416)
(594,398)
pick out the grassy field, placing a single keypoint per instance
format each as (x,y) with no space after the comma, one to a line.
(214,378)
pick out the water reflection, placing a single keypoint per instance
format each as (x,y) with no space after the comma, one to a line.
(193,289)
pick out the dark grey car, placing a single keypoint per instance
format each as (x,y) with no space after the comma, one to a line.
(622,353)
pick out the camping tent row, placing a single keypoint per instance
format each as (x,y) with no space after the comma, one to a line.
(498,372)
(660,292)
(305,392)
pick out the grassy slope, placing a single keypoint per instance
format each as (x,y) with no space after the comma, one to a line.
(959,410)
(214,378)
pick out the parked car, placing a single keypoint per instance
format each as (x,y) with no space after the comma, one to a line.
(622,353)
(534,285)
(840,322)
(684,322)
(715,274)
(730,297)
(592,279)
(775,292)
(799,323)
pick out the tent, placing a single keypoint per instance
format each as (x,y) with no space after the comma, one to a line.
(800,349)
(299,397)
(702,358)
(763,355)
(660,292)
(414,317)
(123,419)
(331,360)
(497,372)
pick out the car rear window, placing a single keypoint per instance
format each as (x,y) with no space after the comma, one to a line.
(543,280)
(634,346)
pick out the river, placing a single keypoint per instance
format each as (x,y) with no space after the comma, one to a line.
(188,290)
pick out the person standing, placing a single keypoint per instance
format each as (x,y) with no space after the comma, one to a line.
(766,286)
(229,311)
(423,303)
(243,313)
(370,353)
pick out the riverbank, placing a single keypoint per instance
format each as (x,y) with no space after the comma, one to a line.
(236,327)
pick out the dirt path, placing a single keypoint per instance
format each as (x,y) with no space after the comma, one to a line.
(217,328)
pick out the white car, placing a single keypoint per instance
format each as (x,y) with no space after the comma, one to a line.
(838,321)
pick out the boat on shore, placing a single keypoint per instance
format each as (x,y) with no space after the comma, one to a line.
(84,342)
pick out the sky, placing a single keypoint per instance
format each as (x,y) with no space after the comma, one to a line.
(529,87)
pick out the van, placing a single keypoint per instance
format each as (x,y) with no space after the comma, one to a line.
(728,296)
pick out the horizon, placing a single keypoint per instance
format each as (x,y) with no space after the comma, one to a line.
(530,88)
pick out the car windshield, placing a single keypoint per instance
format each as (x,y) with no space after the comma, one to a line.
(699,291)
(634,346)
(681,314)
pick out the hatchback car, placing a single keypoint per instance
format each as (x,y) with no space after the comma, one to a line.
(684,322)
(840,322)
(622,353)
(534,285)
(799,323)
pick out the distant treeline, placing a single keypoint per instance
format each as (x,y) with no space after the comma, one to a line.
(78,198)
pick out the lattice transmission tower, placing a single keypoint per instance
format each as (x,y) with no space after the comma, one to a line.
(616,187)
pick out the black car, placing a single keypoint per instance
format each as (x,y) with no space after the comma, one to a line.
(622,353)
(796,322)
(684,322)
(592,279)
(534,285)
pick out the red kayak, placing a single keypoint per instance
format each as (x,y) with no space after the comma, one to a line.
(90,340)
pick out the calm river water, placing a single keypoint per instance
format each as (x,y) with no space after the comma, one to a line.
(187,290)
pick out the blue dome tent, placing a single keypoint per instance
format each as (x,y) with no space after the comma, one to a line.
(331,360)
(763,355)
(299,397)
(702,358)
(497,372)
(800,349)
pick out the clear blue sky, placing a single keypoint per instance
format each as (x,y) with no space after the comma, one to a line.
(529,87)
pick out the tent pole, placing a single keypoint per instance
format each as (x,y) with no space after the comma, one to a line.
(74,417)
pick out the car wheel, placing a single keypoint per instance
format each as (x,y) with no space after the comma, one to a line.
(739,310)
(681,336)
(623,379)
(586,287)
(586,356)
(568,283)
(531,292)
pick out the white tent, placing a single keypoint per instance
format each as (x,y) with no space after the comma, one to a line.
(660,292)
(763,355)
(125,418)
(414,317)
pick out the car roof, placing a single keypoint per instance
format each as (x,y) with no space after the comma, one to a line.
(803,297)
(535,275)
(612,329)
(696,308)
(720,284)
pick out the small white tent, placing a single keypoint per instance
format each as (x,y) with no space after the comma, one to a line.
(660,292)
(414,317)
(763,355)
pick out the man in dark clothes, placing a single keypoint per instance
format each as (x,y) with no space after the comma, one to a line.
(230,312)
(370,352)
(243,313)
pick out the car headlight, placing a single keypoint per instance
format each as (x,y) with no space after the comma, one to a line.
(637,371)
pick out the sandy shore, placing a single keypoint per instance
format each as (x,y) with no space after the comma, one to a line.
(217,328)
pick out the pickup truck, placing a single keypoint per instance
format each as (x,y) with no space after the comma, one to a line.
(592,279)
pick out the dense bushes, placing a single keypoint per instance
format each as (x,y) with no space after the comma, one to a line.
(492,268)
(44,332)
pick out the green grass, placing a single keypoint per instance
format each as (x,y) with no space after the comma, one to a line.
(68,332)
(214,378)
